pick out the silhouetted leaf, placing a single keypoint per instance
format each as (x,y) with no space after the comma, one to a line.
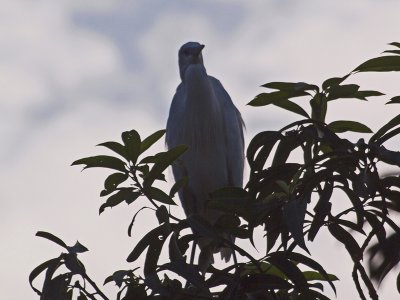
(312,275)
(112,181)
(262,282)
(289,269)
(264,140)
(132,144)
(153,237)
(380,64)
(388,156)
(52,237)
(347,240)
(177,186)
(125,194)
(158,195)
(398,283)
(77,248)
(151,139)
(357,204)
(294,212)
(275,97)
(162,214)
(385,128)
(322,210)
(162,162)
(102,161)
(334,81)
(134,217)
(39,269)
(74,264)
(394,100)
(342,91)
(116,147)
(291,86)
(293,107)
(343,126)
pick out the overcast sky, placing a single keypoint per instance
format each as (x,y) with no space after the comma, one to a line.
(77,73)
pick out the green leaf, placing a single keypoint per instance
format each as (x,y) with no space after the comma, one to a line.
(116,147)
(343,126)
(312,275)
(368,93)
(380,64)
(132,144)
(385,128)
(394,100)
(289,269)
(163,161)
(159,195)
(102,161)
(52,237)
(151,139)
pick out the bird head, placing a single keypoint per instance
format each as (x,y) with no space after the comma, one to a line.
(189,53)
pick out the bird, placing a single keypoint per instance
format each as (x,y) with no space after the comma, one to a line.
(203,117)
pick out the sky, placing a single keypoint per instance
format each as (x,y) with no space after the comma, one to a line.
(76,73)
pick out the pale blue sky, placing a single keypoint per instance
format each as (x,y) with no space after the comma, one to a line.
(76,73)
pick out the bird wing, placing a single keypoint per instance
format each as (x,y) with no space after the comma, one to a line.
(233,130)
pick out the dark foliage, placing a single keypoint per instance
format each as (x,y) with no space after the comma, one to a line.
(296,173)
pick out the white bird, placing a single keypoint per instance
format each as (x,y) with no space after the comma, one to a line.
(203,117)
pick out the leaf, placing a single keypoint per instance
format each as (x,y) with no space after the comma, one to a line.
(293,107)
(392,51)
(151,238)
(380,64)
(274,97)
(343,126)
(334,81)
(343,91)
(322,210)
(347,240)
(263,282)
(77,248)
(294,212)
(102,161)
(116,147)
(177,186)
(289,269)
(151,139)
(162,214)
(357,204)
(132,144)
(312,275)
(364,94)
(394,100)
(74,264)
(159,195)
(266,141)
(388,156)
(39,269)
(396,44)
(291,86)
(385,128)
(163,161)
(112,181)
(313,265)
(126,194)
(52,237)
(134,217)
(285,147)
(398,283)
